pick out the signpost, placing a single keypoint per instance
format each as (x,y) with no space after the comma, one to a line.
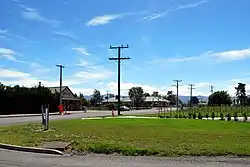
(45,116)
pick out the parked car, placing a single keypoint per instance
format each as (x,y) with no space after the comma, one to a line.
(124,108)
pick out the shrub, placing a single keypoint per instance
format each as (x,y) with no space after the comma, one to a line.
(180,116)
(176,116)
(194,115)
(185,117)
(199,116)
(235,116)
(228,117)
(189,115)
(213,115)
(221,116)
(245,116)
(207,115)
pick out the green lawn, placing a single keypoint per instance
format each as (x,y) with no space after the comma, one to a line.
(164,137)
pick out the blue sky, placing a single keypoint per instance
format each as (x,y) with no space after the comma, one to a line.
(200,42)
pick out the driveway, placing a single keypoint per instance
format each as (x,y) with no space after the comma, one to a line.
(74,115)
(22,159)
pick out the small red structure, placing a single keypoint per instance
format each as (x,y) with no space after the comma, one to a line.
(60,107)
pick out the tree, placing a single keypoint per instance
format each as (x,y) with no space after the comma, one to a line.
(97,98)
(219,98)
(84,101)
(137,95)
(146,95)
(155,94)
(241,93)
(194,100)
(171,97)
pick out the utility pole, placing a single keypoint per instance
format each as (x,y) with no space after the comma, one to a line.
(119,58)
(177,93)
(191,93)
(60,97)
(107,96)
(212,89)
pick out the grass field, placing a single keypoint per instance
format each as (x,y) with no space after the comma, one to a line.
(163,137)
(206,111)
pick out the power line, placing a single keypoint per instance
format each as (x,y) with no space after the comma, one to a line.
(177,93)
(60,97)
(191,93)
(119,58)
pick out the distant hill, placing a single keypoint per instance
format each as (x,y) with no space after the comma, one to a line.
(185,99)
(87,97)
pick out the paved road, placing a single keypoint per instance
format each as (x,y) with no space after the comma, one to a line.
(21,159)
(74,115)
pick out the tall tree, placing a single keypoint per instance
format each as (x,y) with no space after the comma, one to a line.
(84,101)
(241,93)
(146,95)
(137,95)
(171,97)
(155,94)
(219,98)
(97,98)
(194,100)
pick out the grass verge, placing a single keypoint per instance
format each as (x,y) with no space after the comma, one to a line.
(163,137)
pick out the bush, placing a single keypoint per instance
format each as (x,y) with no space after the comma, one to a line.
(189,115)
(194,115)
(221,116)
(245,116)
(22,100)
(235,116)
(207,115)
(228,117)
(180,116)
(185,117)
(213,115)
(176,116)
(199,116)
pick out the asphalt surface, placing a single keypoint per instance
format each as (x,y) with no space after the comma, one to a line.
(22,159)
(74,115)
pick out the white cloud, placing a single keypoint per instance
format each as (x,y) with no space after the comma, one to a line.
(10,73)
(224,56)
(84,91)
(39,68)
(82,51)
(84,63)
(183,90)
(173,9)
(191,5)
(155,16)
(6,35)
(145,39)
(33,15)
(105,19)
(3,31)
(68,36)
(92,75)
(232,55)
(8,54)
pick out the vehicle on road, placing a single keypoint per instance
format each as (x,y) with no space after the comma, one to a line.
(125,108)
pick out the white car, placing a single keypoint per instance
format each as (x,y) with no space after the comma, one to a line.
(124,108)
